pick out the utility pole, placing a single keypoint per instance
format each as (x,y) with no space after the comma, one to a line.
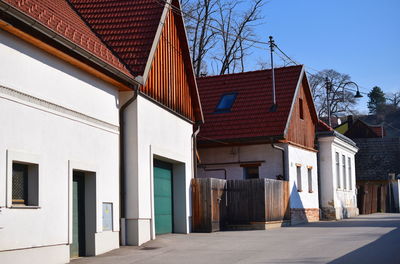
(272,46)
(328,87)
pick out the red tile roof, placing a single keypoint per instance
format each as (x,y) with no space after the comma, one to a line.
(378,130)
(250,116)
(128,27)
(58,16)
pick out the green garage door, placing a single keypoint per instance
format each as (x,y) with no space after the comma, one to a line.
(163,197)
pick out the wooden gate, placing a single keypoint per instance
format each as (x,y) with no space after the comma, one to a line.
(373,197)
(218,204)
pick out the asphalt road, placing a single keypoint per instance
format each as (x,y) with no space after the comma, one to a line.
(364,239)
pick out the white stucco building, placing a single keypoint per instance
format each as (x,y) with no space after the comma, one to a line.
(59,152)
(244,138)
(337,178)
(159,120)
(97,145)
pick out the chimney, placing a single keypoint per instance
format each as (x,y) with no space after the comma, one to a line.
(350,120)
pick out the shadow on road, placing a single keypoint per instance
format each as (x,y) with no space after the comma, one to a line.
(383,250)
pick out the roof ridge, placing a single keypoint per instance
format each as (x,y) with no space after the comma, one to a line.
(247,72)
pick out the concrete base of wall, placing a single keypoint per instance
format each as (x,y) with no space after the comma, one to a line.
(304,215)
(43,255)
(259,225)
(337,213)
(106,241)
(137,231)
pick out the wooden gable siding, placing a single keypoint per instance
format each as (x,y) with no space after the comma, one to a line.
(169,80)
(302,131)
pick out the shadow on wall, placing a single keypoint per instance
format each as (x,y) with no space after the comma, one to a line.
(298,213)
(383,250)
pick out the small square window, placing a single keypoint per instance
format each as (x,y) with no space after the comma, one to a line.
(226,102)
(25,184)
(251,172)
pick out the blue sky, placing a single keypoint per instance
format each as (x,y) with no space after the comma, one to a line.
(357,37)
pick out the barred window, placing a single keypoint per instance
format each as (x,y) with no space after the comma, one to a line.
(20,184)
(25,184)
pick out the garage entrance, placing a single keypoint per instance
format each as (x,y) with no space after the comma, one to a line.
(163,197)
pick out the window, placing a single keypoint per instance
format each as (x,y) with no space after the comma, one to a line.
(301,109)
(299,187)
(24,184)
(251,172)
(344,172)
(226,102)
(337,171)
(350,176)
(310,181)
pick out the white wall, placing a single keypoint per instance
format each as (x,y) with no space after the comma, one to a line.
(331,195)
(269,158)
(307,159)
(154,132)
(65,119)
(271,166)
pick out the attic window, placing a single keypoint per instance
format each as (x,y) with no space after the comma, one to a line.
(301,109)
(226,102)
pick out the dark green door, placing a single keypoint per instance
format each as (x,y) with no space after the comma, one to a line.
(77,247)
(163,197)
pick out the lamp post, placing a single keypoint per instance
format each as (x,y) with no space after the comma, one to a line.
(328,87)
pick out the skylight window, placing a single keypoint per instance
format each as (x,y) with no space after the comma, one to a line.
(226,102)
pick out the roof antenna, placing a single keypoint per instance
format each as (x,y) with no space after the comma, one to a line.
(272,46)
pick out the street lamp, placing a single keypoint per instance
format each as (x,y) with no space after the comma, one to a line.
(357,95)
(328,87)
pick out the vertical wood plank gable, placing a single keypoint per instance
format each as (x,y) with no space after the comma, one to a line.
(302,131)
(169,79)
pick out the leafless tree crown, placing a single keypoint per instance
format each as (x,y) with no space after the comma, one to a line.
(218,31)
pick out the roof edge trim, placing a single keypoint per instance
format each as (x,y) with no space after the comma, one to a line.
(156,41)
(299,81)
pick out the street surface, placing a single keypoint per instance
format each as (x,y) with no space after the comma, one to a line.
(365,239)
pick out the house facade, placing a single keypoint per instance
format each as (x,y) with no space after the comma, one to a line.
(159,121)
(59,147)
(244,138)
(337,177)
(101,130)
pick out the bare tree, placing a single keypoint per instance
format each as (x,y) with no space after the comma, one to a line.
(199,18)
(394,99)
(341,97)
(217,30)
(234,30)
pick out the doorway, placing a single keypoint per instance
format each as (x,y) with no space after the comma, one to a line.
(77,247)
(163,197)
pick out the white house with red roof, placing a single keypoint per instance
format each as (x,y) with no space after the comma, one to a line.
(96,127)
(245,137)
(159,120)
(337,174)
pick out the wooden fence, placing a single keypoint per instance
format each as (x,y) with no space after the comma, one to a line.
(218,204)
(375,197)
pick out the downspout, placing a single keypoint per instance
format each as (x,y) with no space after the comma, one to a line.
(283,158)
(194,140)
(122,175)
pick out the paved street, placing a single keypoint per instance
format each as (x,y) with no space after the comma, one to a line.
(365,239)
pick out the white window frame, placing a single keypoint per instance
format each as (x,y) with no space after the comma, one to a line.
(337,168)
